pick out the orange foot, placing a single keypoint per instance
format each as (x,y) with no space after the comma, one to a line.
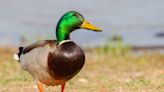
(40,87)
(62,87)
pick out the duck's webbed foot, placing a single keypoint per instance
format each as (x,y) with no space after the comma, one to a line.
(62,87)
(40,87)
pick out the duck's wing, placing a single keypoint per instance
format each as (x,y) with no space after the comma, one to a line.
(38,44)
(26,49)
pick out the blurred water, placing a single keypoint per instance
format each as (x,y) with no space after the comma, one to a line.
(136,20)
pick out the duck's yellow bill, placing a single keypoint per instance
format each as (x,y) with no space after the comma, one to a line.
(87,25)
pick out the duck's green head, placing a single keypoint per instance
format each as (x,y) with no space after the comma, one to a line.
(69,22)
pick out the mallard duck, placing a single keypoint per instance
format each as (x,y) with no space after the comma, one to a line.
(54,62)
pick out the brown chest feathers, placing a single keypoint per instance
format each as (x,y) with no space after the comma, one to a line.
(66,61)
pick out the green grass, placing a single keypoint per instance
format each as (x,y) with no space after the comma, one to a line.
(103,72)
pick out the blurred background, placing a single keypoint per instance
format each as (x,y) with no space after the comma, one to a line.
(130,49)
(139,22)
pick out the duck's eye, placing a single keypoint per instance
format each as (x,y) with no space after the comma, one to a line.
(75,15)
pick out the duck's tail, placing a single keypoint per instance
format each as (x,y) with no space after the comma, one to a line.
(17,55)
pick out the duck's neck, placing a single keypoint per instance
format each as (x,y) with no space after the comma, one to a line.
(62,33)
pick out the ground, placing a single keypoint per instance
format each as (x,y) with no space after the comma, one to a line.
(103,72)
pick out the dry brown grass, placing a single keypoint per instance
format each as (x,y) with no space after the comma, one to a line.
(102,72)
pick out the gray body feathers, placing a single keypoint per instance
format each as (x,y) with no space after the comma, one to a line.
(35,59)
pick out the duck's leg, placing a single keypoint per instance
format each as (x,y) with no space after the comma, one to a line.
(40,87)
(62,87)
